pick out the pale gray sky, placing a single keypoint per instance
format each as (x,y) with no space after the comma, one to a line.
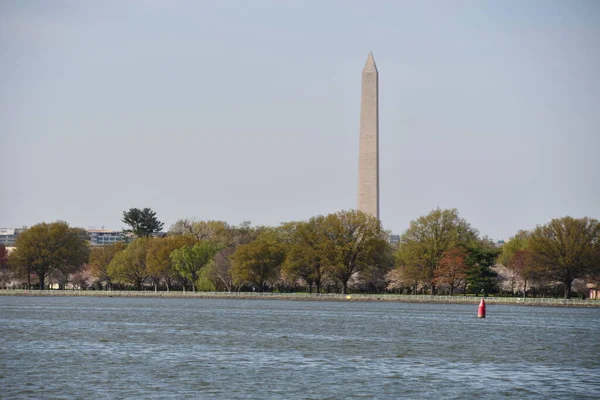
(249,110)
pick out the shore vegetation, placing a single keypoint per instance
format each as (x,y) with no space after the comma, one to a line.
(439,253)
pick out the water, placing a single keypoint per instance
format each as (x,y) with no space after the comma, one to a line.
(106,348)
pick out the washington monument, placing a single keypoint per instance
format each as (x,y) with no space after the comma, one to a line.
(368,150)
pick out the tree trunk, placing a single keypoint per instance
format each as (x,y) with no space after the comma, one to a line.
(193,286)
(344,287)
(433,289)
(28,278)
(318,287)
(451,290)
(567,290)
(41,278)
(415,288)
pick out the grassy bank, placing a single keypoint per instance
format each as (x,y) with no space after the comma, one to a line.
(313,297)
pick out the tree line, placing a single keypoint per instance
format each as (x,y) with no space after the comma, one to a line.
(439,253)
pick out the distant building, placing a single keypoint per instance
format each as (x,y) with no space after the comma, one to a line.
(8,236)
(97,237)
(394,239)
(101,237)
(499,243)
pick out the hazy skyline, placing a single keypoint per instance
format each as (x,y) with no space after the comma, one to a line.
(235,110)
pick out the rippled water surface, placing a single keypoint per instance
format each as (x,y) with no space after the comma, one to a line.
(73,347)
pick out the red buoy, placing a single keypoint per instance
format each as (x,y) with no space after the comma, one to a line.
(481,312)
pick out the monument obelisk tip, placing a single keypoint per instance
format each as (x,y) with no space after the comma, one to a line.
(370,64)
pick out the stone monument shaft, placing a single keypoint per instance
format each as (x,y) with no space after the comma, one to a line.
(368,152)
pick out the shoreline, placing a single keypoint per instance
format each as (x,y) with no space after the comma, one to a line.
(545,302)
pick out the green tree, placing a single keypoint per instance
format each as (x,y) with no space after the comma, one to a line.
(566,249)
(5,271)
(220,270)
(159,263)
(46,248)
(305,257)
(520,241)
(190,260)
(129,266)
(353,242)
(218,273)
(424,243)
(258,262)
(481,257)
(142,223)
(3,256)
(20,266)
(100,258)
